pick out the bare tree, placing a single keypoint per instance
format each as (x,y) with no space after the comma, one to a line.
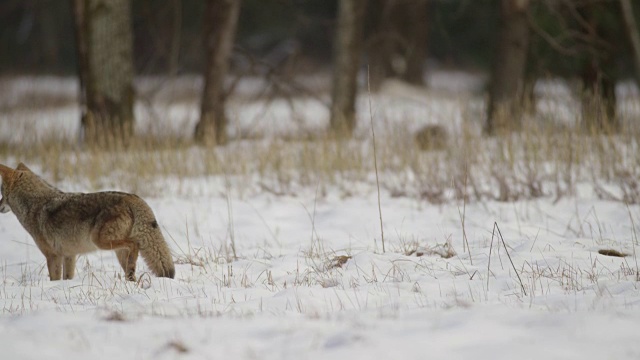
(104,47)
(399,45)
(598,71)
(588,37)
(631,28)
(80,32)
(220,21)
(416,30)
(49,32)
(509,65)
(347,51)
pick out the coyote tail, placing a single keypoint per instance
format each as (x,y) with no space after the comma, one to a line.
(155,252)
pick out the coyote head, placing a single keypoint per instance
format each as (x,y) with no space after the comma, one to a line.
(4,207)
(9,177)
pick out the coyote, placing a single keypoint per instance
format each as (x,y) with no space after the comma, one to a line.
(64,225)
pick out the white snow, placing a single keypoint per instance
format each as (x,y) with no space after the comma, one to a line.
(547,295)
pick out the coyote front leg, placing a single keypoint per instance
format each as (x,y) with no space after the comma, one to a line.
(127,258)
(54,264)
(69,268)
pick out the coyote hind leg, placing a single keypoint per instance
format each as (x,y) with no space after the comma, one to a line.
(127,258)
(126,251)
(111,232)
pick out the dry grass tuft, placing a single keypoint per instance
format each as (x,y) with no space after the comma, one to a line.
(528,165)
(338,261)
(444,250)
(178,346)
(116,316)
(432,137)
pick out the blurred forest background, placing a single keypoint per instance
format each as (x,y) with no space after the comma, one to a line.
(516,42)
(38,36)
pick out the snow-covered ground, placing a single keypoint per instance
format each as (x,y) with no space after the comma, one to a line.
(304,275)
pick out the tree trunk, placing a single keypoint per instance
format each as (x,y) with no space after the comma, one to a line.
(507,78)
(632,33)
(80,27)
(598,99)
(347,49)
(380,48)
(220,19)
(599,96)
(49,33)
(105,47)
(399,47)
(415,32)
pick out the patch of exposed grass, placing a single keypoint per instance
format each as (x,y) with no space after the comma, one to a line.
(433,163)
(524,165)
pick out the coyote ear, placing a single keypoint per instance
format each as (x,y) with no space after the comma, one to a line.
(23,167)
(5,172)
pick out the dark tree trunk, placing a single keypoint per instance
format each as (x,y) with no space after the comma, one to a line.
(80,32)
(105,47)
(599,96)
(347,51)
(415,32)
(380,48)
(49,33)
(631,27)
(399,47)
(508,73)
(598,99)
(220,21)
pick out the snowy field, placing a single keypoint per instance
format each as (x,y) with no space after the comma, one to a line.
(303,275)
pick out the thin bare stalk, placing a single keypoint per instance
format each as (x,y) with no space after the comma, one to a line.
(465,240)
(232,234)
(633,241)
(375,160)
(493,234)
(495,226)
